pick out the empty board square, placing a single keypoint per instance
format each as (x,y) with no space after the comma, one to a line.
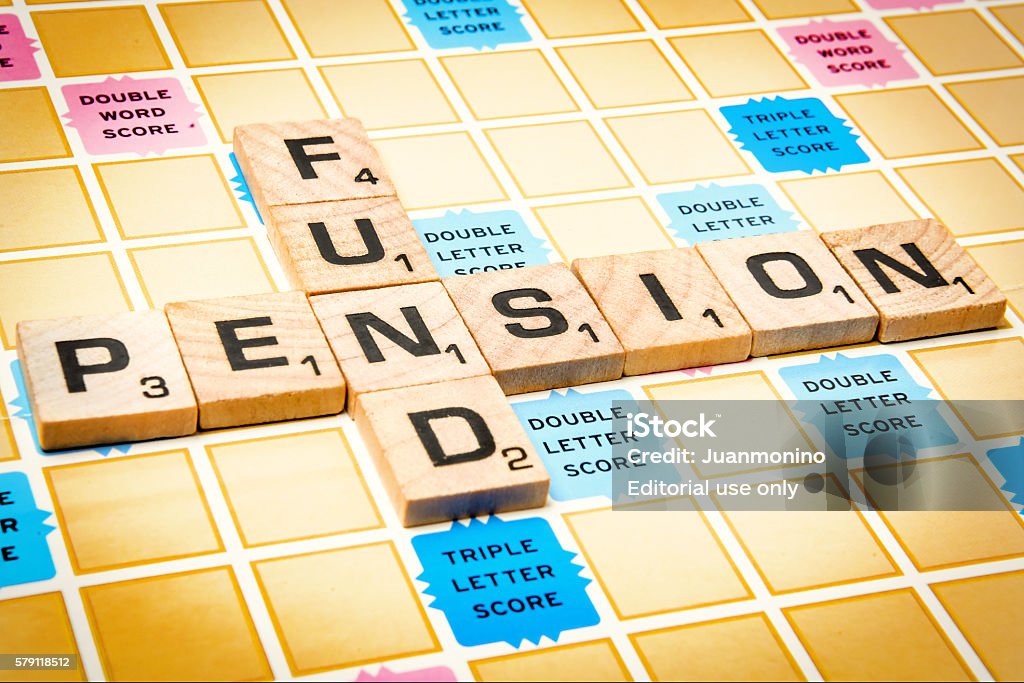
(537,155)
(713,58)
(594,228)
(665,544)
(972,196)
(46,207)
(412,98)
(954,42)
(37,288)
(537,327)
(155,197)
(921,281)
(397,337)
(236,99)
(1001,261)
(994,104)
(424,182)
(330,28)
(383,618)
(29,128)
(189,626)
(624,74)
(451,449)
(848,200)
(225,32)
(1012,17)
(38,624)
(791,291)
(105,379)
(687,13)
(569,18)
(597,660)
(908,122)
(257,358)
(293,486)
(200,270)
(871,637)
(8,446)
(132,511)
(735,649)
(309,161)
(667,309)
(505,84)
(354,244)
(677,146)
(988,611)
(100,40)
(785,9)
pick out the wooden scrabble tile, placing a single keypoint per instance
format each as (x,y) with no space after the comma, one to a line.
(451,449)
(667,309)
(792,292)
(920,280)
(105,379)
(537,327)
(309,161)
(397,337)
(256,358)
(355,244)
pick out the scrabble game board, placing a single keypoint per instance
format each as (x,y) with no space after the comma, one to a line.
(516,134)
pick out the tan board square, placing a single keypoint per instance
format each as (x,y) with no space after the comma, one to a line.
(46,207)
(257,358)
(100,40)
(425,182)
(412,98)
(8,446)
(529,344)
(29,128)
(624,74)
(667,309)
(568,18)
(1001,261)
(745,648)
(505,84)
(38,624)
(881,637)
(182,272)
(131,511)
(397,337)
(587,229)
(985,372)
(330,28)
(235,99)
(786,9)
(155,197)
(988,611)
(225,32)
(293,486)
(302,162)
(687,13)
(972,196)
(714,57)
(908,122)
(993,104)
(383,618)
(954,42)
(597,660)
(451,449)
(1012,17)
(537,157)
(190,626)
(105,379)
(848,200)
(792,292)
(37,288)
(667,544)
(677,146)
(921,281)
(354,244)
